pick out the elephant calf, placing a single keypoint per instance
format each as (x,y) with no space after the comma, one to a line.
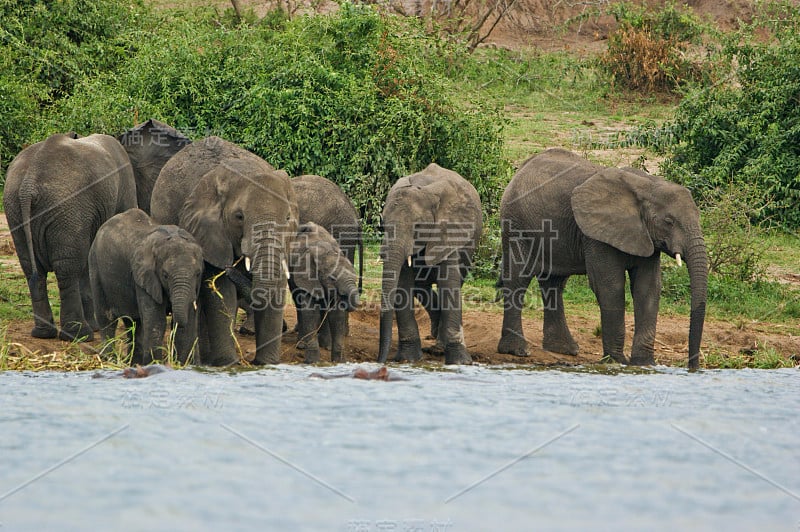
(139,271)
(324,288)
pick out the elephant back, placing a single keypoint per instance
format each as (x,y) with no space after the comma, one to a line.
(181,174)
(149,146)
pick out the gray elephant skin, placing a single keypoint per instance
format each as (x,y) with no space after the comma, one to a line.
(322,202)
(149,146)
(324,288)
(58,193)
(241,211)
(563,216)
(139,272)
(432,221)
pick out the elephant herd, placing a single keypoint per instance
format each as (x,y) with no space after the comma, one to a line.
(150,224)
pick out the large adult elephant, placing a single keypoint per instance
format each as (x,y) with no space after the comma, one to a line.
(432,221)
(58,193)
(238,208)
(150,145)
(562,216)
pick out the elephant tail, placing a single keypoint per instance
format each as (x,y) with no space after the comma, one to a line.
(26,194)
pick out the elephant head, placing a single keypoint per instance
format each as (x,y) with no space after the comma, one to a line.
(640,214)
(150,145)
(169,260)
(319,268)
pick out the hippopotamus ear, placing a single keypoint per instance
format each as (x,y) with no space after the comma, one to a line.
(144,268)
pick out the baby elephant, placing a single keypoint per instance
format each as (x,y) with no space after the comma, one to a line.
(139,271)
(324,288)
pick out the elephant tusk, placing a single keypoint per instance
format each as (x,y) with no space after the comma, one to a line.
(247,263)
(285,268)
(678,259)
(409,260)
(194,305)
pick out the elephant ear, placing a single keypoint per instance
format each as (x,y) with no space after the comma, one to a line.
(201,215)
(144,269)
(607,208)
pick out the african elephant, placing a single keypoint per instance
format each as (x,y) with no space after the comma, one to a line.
(58,193)
(324,289)
(139,272)
(150,145)
(562,216)
(239,209)
(432,221)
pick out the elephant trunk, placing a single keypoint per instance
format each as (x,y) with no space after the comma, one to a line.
(392,264)
(268,299)
(348,294)
(697,264)
(182,295)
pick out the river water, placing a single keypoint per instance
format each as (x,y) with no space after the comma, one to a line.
(473,449)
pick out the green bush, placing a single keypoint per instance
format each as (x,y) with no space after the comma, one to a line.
(46,48)
(354,96)
(745,132)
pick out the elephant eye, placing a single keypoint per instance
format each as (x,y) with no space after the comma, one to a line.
(239,215)
(669,220)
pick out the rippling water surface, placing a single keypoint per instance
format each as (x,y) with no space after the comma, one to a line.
(474,449)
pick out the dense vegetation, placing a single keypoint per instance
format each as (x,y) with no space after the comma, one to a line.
(359,97)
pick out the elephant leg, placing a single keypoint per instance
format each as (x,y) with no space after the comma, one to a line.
(86,301)
(152,339)
(308,333)
(337,325)
(220,313)
(608,284)
(512,338)
(269,329)
(43,323)
(324,336)
(646,292)
(74,326)
(186,340)
(429,299)
(153,326)
(449,283)
(409,346)
(556,336)
(137,347)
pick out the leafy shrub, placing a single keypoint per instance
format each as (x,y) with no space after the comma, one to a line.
(745,132)
(648,50)
(355,96)
(46,48)
(733,250)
